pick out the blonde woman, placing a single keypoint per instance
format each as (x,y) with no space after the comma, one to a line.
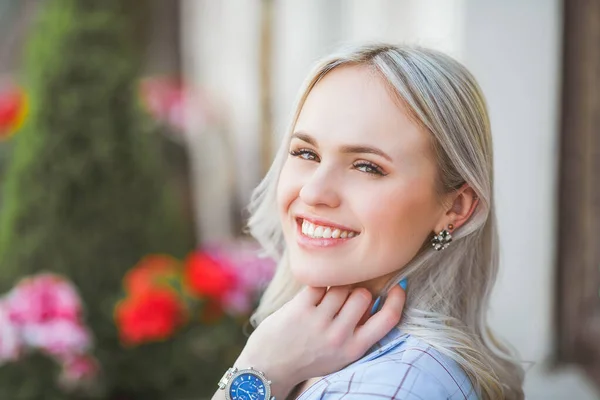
(386,174)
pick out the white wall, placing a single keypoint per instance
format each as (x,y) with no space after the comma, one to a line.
(512,47)
(220,47)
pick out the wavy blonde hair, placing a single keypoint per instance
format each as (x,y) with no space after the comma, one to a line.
(449,290)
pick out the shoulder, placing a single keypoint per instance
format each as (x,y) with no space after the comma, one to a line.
(408,369)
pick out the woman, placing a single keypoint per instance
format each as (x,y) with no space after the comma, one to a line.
(385,174)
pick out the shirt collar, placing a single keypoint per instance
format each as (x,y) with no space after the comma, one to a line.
(392,338)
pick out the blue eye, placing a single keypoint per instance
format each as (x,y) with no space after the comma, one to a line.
(305,154)
(369,168)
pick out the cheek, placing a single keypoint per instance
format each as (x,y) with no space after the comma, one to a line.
(409,200)
(400,216)
(398,229)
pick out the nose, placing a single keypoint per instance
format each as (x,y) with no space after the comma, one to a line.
(320,189)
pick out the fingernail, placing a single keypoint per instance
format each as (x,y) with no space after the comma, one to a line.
(403,283)
(375,307)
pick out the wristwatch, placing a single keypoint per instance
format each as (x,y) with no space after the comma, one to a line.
(245,384)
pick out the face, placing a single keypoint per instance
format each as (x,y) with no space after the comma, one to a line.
(356,195)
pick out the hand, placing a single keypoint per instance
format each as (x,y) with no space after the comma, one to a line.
(318,332)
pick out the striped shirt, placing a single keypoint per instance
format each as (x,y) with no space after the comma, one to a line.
(399,366)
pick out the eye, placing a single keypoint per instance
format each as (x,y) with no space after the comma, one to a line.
(369,168)
(305,154)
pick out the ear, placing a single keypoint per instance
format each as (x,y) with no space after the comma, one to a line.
(463,203)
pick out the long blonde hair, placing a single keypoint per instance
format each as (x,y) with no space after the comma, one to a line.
(449,290)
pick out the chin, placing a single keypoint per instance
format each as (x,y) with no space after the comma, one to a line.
(310,276)
(315,276)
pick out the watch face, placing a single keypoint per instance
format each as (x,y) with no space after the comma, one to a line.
(247,387)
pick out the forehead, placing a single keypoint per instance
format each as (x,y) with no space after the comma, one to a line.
(354,104)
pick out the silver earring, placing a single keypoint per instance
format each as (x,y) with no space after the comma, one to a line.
(442,239)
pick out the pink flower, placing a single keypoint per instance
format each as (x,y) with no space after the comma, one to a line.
(171,101)
(47,311)
(58,337)
(43,298)
(77,370)
(43,312)
(10,341)
(164,99)
(238,302)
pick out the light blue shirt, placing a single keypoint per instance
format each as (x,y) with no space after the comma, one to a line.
(399,366)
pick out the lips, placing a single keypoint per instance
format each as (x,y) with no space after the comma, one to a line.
(312,234)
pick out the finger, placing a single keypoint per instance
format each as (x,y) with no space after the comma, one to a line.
(382,322)
(369,311)
(311,295)
(333,300)
(354,308)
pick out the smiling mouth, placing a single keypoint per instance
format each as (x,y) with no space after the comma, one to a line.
(315,231)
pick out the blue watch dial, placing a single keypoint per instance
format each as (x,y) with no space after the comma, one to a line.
(247,387)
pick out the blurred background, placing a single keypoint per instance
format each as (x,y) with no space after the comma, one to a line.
(133,132)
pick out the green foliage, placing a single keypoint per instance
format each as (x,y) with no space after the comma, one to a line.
(43,369)
(86,195)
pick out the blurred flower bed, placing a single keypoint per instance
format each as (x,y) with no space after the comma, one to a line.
(100,296)
(163,296)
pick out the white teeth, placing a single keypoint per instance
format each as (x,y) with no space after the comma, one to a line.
(316,231)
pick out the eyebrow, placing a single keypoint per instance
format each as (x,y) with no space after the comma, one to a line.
(349,149)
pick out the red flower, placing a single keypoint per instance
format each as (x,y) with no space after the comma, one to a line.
(13,109)
(152,271)
(149,316)
(206,277)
